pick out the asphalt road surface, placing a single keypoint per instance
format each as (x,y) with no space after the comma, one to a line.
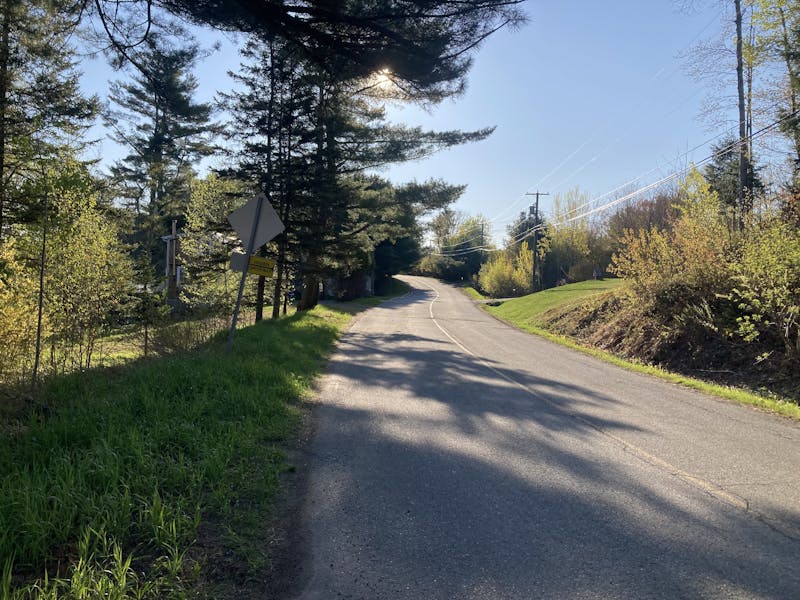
(455,457)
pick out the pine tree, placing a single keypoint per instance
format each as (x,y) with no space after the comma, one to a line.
(308,139)
(425,45)
(167,133)
(41,107)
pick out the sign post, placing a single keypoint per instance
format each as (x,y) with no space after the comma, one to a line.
(258,219)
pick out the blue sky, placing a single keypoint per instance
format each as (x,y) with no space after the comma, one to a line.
(587,94)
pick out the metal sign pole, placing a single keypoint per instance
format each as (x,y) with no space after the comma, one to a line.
(250,243)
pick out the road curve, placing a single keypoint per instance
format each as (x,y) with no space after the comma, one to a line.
(454,457)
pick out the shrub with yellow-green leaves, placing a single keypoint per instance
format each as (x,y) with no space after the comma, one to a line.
(18,314)
(767,279)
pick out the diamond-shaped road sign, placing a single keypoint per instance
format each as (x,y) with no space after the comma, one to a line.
(256,223)
(269,223)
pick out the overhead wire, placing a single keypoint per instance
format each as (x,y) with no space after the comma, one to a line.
(633,181)
(657,75)
(674,175)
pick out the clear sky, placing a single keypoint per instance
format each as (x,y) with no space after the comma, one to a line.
(587,94)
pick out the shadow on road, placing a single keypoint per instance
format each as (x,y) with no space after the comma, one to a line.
(443,479)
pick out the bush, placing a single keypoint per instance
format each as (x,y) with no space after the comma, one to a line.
(692,253)
(18,292)
(502,276)
(767,277)
(443,267)
(496,277)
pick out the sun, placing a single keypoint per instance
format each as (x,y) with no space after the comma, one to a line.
(383,78)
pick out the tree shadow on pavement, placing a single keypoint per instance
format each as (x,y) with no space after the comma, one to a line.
(440,475)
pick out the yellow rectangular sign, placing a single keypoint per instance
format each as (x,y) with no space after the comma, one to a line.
(261,266)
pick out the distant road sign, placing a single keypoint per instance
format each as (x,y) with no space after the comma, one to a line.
(261,266)
(257,265)
(269,223)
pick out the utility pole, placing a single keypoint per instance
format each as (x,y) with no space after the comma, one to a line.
(535,236)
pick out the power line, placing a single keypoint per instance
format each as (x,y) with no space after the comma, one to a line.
(626,197)
(658,74)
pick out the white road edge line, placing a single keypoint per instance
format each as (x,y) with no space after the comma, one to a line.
(698,482)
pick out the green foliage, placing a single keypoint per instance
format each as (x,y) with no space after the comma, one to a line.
(308,139)
(138,461)
(425,46)
(86,277)
(18,292)
(167,133)
(88,280)
(496,277)
(208,243)
(722,174)
(691,254)
(464,239)
(568,247)
(43,110)
(443,267)
(524,229)
(767,279)
(505,275)
(395,257)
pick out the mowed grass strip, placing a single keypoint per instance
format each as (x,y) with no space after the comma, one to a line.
(107,495)
(525,312)
(529,314)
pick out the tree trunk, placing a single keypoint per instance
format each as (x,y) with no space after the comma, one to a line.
(310,296)
(740,187)
(261,286)
(280,268)
(5,56)
(270,168)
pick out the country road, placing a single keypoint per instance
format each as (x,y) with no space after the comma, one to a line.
(453,457)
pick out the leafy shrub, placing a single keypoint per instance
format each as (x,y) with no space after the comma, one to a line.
(496,277)
(443,267)
(17,314)
(767,277)
(693,253)
(503,276)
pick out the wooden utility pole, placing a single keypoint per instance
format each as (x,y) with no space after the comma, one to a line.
(535,237)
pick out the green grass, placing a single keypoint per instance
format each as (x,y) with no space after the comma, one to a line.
(110,494)
(526,313)
(473,293)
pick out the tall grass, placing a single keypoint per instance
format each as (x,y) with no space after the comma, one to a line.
(106,497)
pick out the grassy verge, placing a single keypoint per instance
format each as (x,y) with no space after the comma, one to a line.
(148,480)
(527,310)
(527,313)
(473,293)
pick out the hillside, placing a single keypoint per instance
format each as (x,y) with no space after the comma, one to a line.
(604,315)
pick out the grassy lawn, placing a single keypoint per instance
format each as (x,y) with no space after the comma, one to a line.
(525,311)
(528,312)
(154,479)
